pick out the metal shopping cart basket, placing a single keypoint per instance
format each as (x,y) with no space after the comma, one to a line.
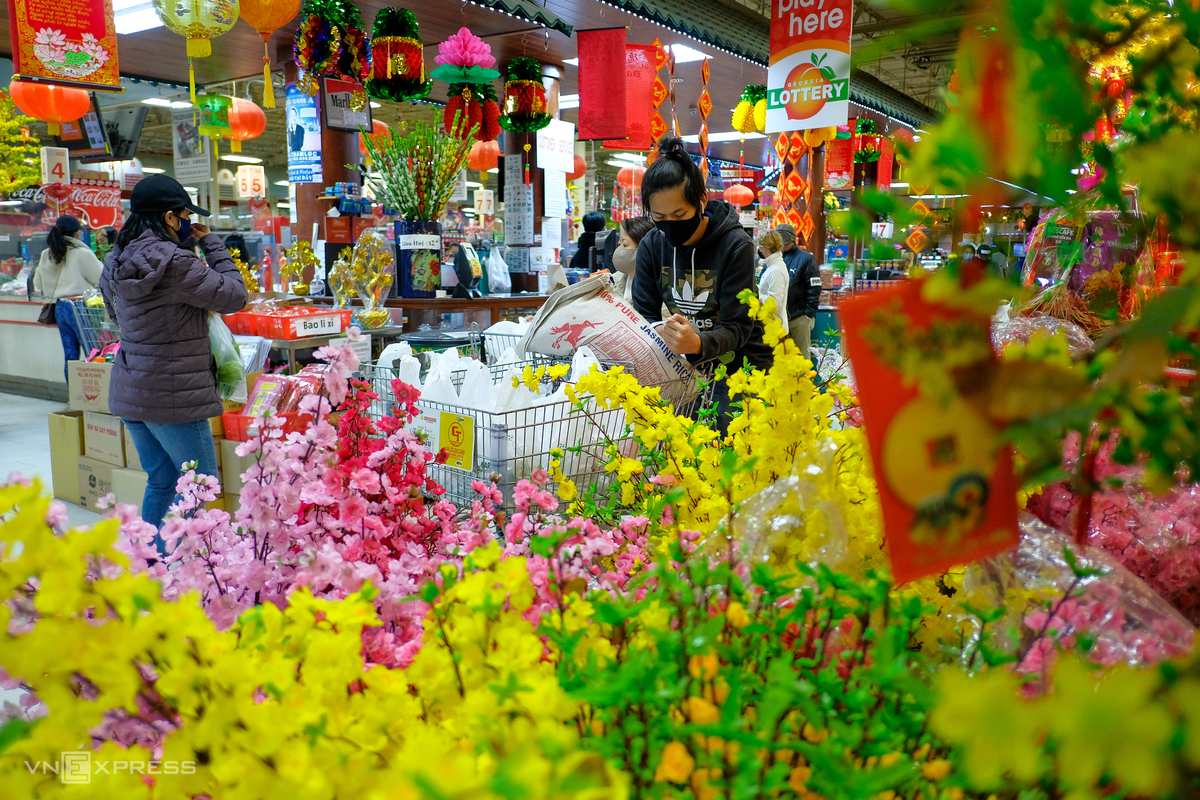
(513,444)
(96,330)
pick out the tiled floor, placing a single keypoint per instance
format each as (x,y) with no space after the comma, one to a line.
(25,446)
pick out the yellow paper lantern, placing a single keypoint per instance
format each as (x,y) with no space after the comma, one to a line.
(198,21)
(266,16)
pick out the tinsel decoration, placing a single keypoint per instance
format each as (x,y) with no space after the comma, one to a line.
(330,43)
(397,57)
(248,276)
(417,168)
(525,108)
(704,107)
(316,49)
(750,115)
(475,106)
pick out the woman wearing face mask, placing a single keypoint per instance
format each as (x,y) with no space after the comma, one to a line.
(633,230)
(696,262)
(164,378)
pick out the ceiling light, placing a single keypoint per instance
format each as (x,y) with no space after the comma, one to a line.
(728,136)
(684,54)
(574,62)
(899,185)
(474,185)
(157,101)
(568,101)
(615,163)
(181,104)
(153,170)
(376,105)
(241,159)
(936,196)
(191,190)
(493,170)
(282,183)
(134,16)
(638,157)
(284,205)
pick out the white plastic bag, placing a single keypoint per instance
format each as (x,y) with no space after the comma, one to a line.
(499,281)
(477,390)
(439,383)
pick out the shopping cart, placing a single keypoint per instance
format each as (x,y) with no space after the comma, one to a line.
(494,344)
(96,330)
(513,444)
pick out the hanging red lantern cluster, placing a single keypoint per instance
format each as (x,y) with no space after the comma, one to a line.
(472,104)
(525,108)
(246,121)
(52,104)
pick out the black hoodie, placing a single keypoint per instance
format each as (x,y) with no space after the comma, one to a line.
(703,283)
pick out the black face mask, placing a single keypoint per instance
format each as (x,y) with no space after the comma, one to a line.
(678,231)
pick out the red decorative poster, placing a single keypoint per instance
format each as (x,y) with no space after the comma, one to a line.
(887,154)
(839,164)
(70,42)
(639,99)
(946,485)
(602,93)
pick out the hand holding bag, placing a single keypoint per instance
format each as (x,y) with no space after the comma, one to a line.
(48,316)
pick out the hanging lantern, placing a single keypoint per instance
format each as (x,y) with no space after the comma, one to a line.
(214,115)
(246,121)
(378,128)
(525,108)
(484,156)
(317,48)
(52,104)
(267,16)
(397,57)
(199,21)
(580,169)
(739,195)
(631,177)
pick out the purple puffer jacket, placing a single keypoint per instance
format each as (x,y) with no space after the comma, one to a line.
(161,295)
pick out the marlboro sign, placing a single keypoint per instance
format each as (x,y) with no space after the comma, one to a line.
(808,81)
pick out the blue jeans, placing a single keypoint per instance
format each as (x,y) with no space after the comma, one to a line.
(68,331)
(162,450)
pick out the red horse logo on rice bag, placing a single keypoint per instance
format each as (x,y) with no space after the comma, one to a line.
(571,331)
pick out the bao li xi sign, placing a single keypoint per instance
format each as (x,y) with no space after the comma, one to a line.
(808,80)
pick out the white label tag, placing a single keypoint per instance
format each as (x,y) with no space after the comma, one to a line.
(317,325)
(814,281)
(420,241)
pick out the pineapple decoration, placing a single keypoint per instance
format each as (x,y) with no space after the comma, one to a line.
(751,112)
(525,109)
(397,57)
(465,62)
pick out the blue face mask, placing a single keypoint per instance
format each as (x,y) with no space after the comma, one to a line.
(185,230)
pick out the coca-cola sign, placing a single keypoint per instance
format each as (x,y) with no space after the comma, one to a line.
(96,203)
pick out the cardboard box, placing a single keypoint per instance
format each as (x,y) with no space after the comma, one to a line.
(104,438)
(132,460)
(217,445)
(95,481)
(87,386)
(232,466)
(129,486)
(217,427)
(66,446)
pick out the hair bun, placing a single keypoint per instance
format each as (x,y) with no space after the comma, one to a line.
(672,146)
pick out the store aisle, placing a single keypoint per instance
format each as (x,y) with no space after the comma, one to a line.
(25,445)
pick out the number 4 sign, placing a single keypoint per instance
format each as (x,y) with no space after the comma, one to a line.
(251,181)
(55,166)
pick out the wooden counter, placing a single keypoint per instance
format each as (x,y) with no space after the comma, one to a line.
(31,355)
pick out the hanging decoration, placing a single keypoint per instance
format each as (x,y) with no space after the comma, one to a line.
(465,58)
(476,107)
(214,116)
(750,115)
(580,169)
(866,142)
(465,62)
(52,104)
(246,121)
(671,91)
(704,107)
(397,57)
(198,21)
(316,49)
(267,16)
(525,108)
(379,129)
(658,124)
(330,43)
(528,178)
(484,156)
(739,195)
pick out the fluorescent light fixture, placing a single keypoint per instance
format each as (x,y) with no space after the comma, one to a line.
(240,159)
(936,196)
(899,185)
(574,62)
(493,170)
(157,101)
(10,202)
(612,162)
(474,185)
(635,157)
(153,170)
(568,101)
(684,54)
(284,205)
(191,190)
(134,16)
(282,183)
(181,104)
(376,105)
(916,138)
(725,136)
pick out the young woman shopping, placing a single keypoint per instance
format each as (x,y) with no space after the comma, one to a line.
(774,279)
(67,268)
(633,230)
(696,262)
(164,380)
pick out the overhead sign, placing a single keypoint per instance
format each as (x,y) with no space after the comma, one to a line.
(251,181)
(70,42)
(192,163)
(55,165)
(556,146)
(808,80)
(485,202)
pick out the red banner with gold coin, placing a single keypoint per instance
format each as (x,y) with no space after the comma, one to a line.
(68,42)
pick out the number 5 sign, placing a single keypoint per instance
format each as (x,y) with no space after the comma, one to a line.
(55,167)
(251,181)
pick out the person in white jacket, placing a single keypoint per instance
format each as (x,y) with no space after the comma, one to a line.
(774,279)
(68,268)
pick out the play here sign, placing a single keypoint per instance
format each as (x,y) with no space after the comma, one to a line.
(808,81)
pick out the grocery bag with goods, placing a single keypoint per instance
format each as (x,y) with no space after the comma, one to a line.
(499,281)
(231,373)
(592,313)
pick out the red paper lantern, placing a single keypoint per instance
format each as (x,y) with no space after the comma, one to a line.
(246,121)
(739,195)
(378,129)
(52,104)
(631,177)
(580,169)
(484,156)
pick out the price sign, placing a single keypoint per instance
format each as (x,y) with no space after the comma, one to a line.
(251,181)
(485,202)
(55,166)
(316,325)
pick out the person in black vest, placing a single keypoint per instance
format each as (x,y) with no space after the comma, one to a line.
(804,288)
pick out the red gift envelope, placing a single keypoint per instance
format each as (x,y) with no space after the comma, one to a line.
(946,484)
